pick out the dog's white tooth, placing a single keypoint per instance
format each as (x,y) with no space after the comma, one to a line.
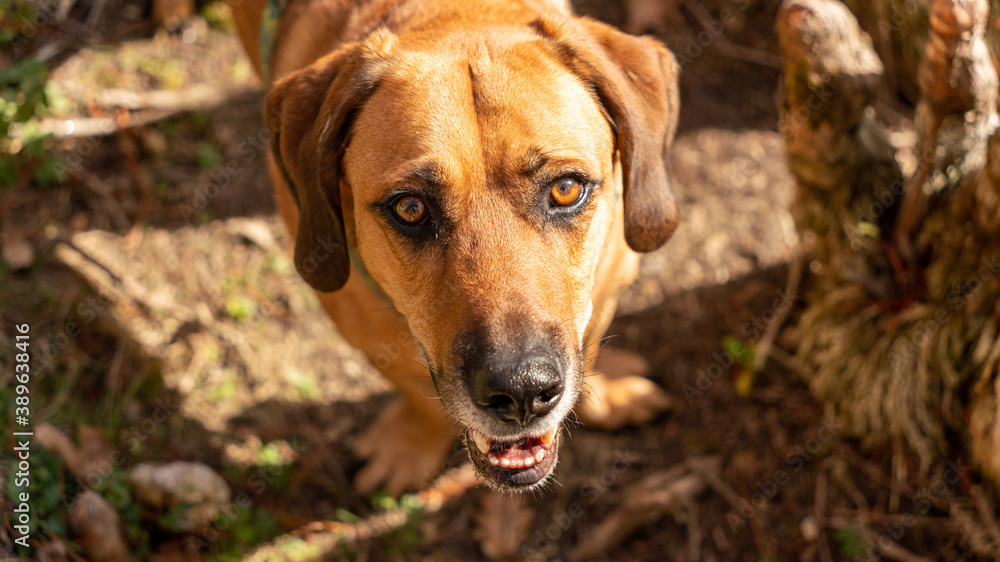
(549,436)
(505,463)
(494,461)
(482,443)
(529,461)
(540,455)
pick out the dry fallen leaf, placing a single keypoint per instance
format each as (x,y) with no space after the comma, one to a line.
(91,458)
(54,551)
(99,527)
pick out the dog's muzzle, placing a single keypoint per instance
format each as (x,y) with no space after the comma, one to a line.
(514,445)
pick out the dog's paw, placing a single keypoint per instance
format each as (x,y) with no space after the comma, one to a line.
(403,450)
(616,392)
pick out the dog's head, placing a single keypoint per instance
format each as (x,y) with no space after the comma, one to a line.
(475,173)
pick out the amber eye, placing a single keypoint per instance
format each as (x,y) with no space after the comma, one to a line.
(565,192)
(410,210)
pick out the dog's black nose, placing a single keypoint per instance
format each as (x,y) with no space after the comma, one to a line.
(520,390)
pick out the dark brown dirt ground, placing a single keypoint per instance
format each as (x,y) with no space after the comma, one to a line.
(177,275)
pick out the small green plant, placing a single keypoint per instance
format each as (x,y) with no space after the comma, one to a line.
(240,307)
(850,542)
(218,16)
(26,97)
(743,356)
(408,536)
(52,488)
(116,488)
(207,156)
(248,529)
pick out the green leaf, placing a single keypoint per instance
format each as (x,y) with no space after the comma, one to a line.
(850,541)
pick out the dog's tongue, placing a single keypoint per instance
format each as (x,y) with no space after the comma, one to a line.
(520,454)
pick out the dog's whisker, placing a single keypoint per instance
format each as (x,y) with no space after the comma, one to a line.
(419,359)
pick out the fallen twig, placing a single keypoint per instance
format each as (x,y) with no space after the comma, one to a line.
(136,109)
(986,514)
(819,511)
(323,537)
(763,348)
(647,500)
(938,524)
(885,545)
(733,50)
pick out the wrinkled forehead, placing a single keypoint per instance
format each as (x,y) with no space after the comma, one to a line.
(468,105)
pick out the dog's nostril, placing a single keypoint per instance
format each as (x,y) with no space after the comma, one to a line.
(549,394)
(499,402)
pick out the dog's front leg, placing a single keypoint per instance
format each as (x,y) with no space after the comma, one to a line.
(407,444)
(616,391)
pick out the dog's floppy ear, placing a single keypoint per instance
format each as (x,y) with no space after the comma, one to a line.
(635,81)
(309,113)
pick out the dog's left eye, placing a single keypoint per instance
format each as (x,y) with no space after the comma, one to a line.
(410,210)
(566,192)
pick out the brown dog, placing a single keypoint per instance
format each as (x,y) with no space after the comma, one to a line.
(462,179)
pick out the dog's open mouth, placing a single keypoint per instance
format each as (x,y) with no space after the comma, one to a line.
(515,464)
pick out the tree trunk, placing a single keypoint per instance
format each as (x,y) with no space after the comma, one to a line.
(901,321)
(898,29)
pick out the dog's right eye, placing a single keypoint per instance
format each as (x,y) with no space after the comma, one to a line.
(410,210)
(566,192)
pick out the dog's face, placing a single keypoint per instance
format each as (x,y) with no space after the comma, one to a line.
(474,174)
(483,215)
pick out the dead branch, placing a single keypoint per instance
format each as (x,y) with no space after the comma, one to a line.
(137,109)
(325,537)
(647,500)
(763,348)
(729,49)
(986,513)
(882,542)
(819,512)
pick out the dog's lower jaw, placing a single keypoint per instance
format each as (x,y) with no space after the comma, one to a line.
(527,469)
